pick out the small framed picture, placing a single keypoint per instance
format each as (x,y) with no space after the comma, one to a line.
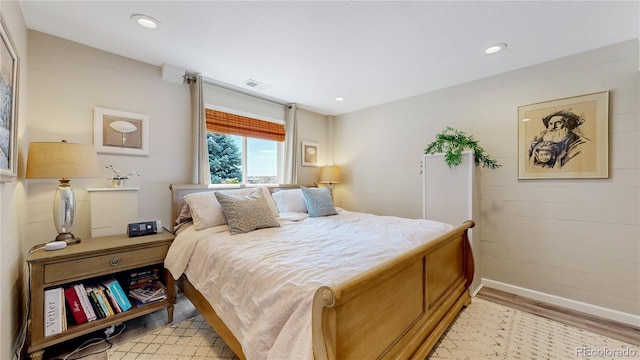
(120,132)
(565,138)
(309,153)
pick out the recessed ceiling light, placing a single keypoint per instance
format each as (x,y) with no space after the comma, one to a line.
(495,48)
(145,21)
(339,98)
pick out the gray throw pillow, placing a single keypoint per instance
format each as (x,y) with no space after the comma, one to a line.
(246,213)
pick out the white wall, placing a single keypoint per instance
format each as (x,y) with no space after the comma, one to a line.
(312,127)
(12,199)
(66,81)
(574,239)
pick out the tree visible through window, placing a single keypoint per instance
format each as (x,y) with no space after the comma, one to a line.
(225,159)
(237,159)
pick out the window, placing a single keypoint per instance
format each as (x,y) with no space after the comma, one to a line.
(243,150)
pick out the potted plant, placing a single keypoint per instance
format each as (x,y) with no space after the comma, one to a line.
(453,142)
(118,180)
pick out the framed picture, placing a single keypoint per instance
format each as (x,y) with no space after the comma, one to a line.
(8,107)
(120,132)
(565,138)
(309,153)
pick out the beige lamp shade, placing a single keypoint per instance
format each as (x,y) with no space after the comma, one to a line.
(330,175)
(58,160)
(62,161)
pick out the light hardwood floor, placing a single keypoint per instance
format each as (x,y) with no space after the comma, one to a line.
(612,329)
(184,310)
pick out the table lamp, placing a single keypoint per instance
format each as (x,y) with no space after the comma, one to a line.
(62,160)
(330,175)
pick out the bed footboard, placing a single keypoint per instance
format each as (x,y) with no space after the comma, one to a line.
(400,309)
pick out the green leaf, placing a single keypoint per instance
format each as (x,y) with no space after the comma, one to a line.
(453,142)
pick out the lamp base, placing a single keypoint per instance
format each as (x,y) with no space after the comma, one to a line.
(69,238)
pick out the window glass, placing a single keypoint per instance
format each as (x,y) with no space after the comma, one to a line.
(225,158)
(237,159)
(262,161)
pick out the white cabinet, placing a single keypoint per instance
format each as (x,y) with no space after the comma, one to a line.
(112,209)
(450,195)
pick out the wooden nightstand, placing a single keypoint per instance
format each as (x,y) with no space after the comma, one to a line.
(93,258)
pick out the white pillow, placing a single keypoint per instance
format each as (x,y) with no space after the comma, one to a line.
(269,200)
(207,211)
(289,201)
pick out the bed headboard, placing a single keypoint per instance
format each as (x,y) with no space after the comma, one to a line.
(178,191)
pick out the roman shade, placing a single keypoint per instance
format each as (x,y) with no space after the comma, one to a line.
(225,123)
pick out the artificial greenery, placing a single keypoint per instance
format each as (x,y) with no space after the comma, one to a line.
(453,142)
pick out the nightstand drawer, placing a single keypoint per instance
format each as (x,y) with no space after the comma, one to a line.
(103,264)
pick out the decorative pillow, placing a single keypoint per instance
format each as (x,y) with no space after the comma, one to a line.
(183,219)
(269,200)
(206,210)
(289,201)
(247,213)
(319,201)
(185,215)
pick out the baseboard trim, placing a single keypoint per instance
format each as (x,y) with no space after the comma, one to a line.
(599,311)
(595,324)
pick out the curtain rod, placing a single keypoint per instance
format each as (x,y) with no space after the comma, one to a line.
(189,77)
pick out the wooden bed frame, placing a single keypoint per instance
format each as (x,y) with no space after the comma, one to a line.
(398,310)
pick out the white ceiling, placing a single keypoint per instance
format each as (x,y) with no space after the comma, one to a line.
(367,52)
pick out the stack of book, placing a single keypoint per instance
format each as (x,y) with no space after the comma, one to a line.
(145,286)
(151,292)
(143,276)
(85,302)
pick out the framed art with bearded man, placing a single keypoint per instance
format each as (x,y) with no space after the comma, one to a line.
(565,138)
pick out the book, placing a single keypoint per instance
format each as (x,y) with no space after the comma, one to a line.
(112,300)
(63,310)
(75,306)
(142,281)
(140,303)
(114,286)
(96,304)
(144,273)
(84,300)
(104,302)
(153,292)
(53,311)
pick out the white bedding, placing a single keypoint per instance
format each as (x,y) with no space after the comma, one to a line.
(261,283)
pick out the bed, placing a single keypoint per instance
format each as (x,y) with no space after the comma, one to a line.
(395,307)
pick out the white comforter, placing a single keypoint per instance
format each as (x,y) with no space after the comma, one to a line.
(262,283)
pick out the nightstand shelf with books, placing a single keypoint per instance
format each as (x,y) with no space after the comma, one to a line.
(136,263)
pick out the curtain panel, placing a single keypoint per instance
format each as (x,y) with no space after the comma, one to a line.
(289,168)
(201,172)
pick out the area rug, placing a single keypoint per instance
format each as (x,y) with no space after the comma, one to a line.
(484,330)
